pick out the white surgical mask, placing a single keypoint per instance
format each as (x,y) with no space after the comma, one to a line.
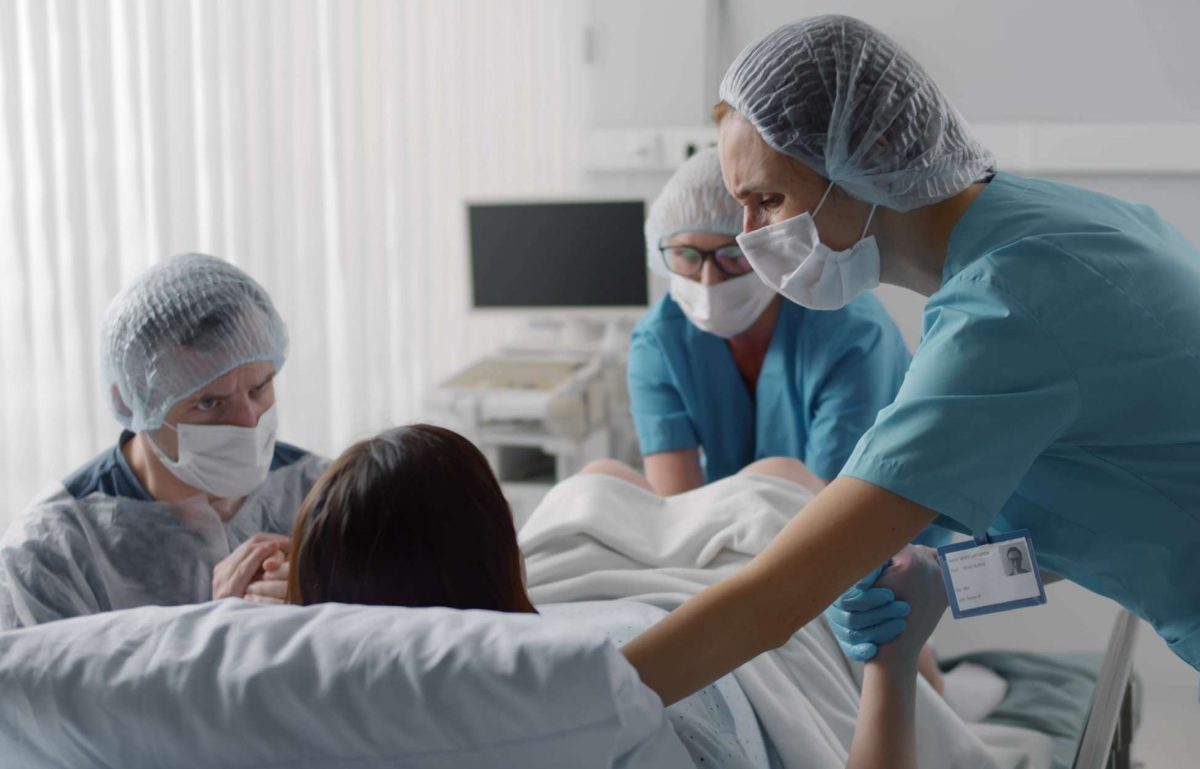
(790,258)
(226,461)
(726,309)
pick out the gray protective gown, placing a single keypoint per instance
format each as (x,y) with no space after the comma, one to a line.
(99,543)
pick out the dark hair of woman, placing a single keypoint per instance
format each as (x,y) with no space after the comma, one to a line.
(411,517)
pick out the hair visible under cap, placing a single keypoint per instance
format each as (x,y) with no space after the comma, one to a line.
(719,111)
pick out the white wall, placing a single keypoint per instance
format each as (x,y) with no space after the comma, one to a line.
(630,80)
(1049,60)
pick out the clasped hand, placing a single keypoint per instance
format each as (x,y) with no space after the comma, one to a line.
(893,610)
(256,570)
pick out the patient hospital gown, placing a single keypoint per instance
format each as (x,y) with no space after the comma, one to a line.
(716,724)
(1057,389)
(100,542)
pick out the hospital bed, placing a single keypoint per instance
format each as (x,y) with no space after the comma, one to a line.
(599,538)
(1085,701)
(1108,733)
(236,685)
(232,684)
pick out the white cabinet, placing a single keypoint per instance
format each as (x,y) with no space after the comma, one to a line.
(651,79)
(651,63)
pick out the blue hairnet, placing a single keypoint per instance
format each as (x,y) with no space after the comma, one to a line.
(845,100)
(184,323)
(693,200)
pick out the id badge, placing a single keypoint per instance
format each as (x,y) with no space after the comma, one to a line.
(991,574)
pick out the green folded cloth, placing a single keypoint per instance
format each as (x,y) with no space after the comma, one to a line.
(1049,693)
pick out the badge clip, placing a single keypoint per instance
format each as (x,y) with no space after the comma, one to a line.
(991,574)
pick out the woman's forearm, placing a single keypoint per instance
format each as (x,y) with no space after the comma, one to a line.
(710,635)
(848,530)
(885,737)
(927,666)
(674,472)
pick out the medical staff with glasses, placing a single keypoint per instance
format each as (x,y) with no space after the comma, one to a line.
(197,497)
(1056,388)
(723,371)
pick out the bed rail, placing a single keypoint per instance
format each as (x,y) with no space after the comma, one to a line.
(1109,729)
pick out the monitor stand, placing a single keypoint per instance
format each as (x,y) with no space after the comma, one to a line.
(575,333)
(581,332)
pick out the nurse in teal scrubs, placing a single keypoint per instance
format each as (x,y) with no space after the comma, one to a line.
(723,372)
(1056,387)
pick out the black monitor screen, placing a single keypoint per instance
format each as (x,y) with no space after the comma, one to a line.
(585,254)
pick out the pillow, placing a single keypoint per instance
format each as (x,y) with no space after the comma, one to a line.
(234,684)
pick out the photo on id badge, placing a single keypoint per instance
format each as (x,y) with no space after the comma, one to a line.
(991,575)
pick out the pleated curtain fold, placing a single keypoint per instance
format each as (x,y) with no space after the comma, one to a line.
(325,146)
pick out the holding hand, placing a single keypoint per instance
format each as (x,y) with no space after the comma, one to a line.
(246,565)
(272,586)
(879,608)
(866,616)
(886,733)
(915,575)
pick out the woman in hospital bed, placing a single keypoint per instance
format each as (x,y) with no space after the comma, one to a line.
(415,517)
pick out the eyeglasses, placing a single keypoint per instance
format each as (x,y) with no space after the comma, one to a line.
(688,261)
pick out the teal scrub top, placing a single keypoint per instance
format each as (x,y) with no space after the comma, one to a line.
(825,377)
(1057,389)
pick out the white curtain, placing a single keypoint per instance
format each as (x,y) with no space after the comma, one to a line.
(325,146)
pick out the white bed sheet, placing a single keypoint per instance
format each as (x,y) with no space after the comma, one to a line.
(598,538)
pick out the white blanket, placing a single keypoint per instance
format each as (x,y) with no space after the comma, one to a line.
(596,538)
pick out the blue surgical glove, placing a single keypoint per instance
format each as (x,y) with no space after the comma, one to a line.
(864,617)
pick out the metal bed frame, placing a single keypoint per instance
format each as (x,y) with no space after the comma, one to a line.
(1108,733)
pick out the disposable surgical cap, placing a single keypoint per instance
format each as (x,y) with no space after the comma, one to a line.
(184,323)
(845,100)
(694,200)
